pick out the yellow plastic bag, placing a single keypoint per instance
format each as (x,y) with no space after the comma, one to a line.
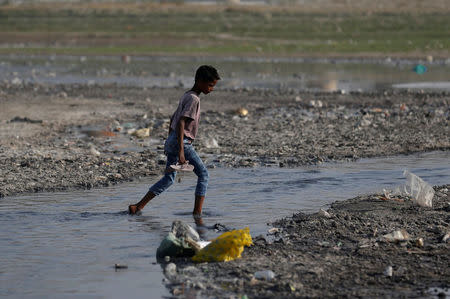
(226,247)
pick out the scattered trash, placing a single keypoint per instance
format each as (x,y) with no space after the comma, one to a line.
(120,266)
(265,275)
(420,69)
(298,99)
(94,151)
(445,237)
(242,112)
(228,246)
(16,81)
(170,270)
(388,271)
(183,230)
(182,240)
(403,107)
(141,133)
(429,58)
(274,230)
(211,143)
(323,213)
(420,191)
(419,242)
(396,236)
(315,104)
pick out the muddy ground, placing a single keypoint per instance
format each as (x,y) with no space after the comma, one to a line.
(344,256)
(75,136)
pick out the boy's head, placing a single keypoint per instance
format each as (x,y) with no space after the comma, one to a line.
(206,78)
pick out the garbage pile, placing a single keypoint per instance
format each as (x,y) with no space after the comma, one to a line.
(184,241)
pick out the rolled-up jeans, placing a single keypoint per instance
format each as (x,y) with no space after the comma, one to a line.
(171,149)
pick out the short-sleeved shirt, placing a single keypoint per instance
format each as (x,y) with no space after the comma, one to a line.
(189,106)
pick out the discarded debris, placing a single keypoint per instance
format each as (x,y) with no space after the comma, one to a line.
(396,236)
(182,240)
(242,112)
(388,271)
(265,275)
(120,266)
(228,246)
(323,213)
(418,189)
(141,133)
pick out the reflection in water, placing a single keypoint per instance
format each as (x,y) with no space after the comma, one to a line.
(65,244)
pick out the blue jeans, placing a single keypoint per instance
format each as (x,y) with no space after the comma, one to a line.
(171,150)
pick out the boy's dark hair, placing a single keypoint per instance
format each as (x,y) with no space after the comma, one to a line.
(206,73)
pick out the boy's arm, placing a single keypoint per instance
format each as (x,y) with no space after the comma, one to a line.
(180,137)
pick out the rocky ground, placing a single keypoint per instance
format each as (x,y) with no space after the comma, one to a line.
(343,255)
(76,136)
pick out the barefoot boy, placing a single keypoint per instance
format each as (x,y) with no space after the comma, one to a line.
(178,146)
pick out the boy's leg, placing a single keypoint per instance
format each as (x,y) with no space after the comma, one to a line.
(202,180)
(165,182)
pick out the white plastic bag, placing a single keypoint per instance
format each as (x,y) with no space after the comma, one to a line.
(420,191)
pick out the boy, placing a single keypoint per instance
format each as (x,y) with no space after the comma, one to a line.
(178,146)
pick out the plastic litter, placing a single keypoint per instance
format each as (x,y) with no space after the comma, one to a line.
(242,112)
(171,270)
(419,242)
(418,189)
(183,230)
(141,133)
(265,275)
(173,246)
(396,236)
(323,213)
(388,271)
(420,69)
(228,246)
(182,240)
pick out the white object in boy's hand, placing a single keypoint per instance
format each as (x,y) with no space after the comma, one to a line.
(182,167)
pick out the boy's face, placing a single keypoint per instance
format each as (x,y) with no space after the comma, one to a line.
(207,86)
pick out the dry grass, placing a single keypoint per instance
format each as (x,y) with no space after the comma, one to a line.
(306,6)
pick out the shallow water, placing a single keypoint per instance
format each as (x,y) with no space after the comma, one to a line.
(65,244)
(278,73)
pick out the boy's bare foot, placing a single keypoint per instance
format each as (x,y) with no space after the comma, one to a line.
(133,209)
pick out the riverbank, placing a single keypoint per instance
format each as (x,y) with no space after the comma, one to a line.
(343,255)
(76,136)
(325,29)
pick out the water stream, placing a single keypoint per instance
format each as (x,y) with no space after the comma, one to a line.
(65,244)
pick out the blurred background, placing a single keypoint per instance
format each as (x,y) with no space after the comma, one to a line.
(326,45)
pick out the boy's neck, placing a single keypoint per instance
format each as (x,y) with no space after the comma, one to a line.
(196,89)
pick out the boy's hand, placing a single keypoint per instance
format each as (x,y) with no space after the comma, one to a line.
(181,158)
